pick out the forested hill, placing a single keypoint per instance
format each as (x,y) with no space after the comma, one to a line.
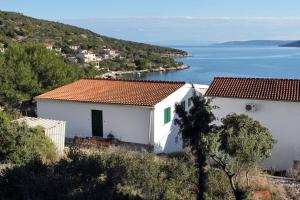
(28,67)
(293,44)
(21,29)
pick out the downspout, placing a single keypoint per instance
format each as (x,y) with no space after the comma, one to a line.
(150,125)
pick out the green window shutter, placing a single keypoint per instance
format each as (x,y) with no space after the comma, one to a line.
(167,115)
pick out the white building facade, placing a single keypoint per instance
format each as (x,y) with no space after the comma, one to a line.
(138,123)
(87,55)
(279,111)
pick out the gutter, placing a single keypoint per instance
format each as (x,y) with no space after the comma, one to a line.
(150,125)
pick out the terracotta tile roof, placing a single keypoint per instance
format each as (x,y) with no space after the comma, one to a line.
(255,88)
(114,91)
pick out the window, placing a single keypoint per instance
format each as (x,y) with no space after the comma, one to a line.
(190,101)
(183,105)
(167,115)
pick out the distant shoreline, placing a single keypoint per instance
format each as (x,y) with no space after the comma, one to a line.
(117,74)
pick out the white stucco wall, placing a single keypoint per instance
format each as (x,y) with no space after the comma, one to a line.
(127,123)
(281,118)
(166,137)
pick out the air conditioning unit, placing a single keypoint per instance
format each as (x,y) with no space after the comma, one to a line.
(250,107)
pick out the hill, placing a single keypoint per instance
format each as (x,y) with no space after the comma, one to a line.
(292,44)
(64,38)
(256,43)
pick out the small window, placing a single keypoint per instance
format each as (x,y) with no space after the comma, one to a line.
(183,105)
(167,115)
(190,101)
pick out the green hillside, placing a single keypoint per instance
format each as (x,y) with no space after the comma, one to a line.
(21,29)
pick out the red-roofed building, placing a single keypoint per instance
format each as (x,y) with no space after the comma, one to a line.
(275,103)
(132,111)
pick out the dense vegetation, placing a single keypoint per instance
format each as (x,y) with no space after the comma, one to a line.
(21,29)
(30,69)
(235,146)
(113,173)
(105,174)
(21,144)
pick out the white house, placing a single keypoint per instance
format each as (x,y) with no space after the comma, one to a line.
(72,59)
(134,111)
(87,55)
(48,46)
(275,103)
(2,49)
(74,47)
(109,53)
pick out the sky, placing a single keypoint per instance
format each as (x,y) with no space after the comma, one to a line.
(172,21)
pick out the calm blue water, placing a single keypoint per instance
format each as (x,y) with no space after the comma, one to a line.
(208,62)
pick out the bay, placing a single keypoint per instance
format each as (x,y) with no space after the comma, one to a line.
(209,62)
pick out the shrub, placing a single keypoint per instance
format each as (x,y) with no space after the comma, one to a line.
(218,186)
(20,144)
(105,174)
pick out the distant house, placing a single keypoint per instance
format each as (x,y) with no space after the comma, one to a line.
(74,47)
(72,59)
(275,103)
(48,46)
(57,49)
(2,49)
(109,53)
(87,55)
(138,112)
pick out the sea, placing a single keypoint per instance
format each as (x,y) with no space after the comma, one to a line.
(208,62)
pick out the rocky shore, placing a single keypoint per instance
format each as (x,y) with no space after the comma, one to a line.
(116,74)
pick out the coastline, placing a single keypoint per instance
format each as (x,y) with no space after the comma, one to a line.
(116,74)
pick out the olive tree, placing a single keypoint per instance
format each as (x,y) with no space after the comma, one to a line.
(239,143)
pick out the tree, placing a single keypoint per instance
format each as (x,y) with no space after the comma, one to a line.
(195,125)
(30,69)
(239,143)
(67,50)
(141,64)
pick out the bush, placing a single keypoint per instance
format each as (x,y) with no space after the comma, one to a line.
(218,185)
(20,144)
(105,174)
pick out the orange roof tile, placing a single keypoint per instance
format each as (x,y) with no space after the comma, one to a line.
(114,91)
(255,88)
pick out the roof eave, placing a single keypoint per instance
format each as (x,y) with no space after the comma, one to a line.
(91,102)
(260,99)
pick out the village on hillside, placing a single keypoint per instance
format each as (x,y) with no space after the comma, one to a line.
(75,54)
(88,116)
(160,118)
